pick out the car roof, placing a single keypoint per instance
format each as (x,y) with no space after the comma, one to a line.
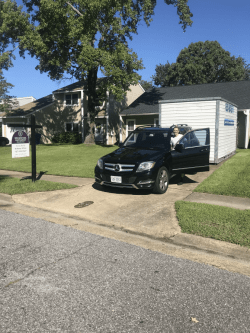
(141,128)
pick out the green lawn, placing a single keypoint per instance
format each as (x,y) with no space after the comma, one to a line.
(9,185)
(221,223)
(232,178)
(65,160)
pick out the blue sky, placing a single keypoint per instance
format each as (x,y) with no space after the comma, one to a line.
(226,21)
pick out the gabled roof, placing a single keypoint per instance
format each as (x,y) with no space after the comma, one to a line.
(237,92)
(31,107)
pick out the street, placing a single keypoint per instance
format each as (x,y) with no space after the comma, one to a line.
(58,279)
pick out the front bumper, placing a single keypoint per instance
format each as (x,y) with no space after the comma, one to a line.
(134,181)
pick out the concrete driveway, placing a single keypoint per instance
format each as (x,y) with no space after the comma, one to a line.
(136,211)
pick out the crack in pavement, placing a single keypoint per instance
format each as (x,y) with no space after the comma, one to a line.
(47,265)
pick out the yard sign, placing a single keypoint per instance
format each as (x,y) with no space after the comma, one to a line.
(20,144)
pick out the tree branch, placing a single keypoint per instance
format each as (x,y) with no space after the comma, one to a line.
(77,11)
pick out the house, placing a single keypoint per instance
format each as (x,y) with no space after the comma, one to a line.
(66,109)
(15,103)
(145,109)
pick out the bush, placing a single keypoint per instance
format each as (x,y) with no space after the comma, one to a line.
(67,137)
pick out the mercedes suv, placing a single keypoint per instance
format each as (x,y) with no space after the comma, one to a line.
(146,159)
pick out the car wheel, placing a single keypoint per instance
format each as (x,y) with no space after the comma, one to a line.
(3,143)
(162,180)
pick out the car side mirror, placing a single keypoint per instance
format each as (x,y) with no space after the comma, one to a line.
(179,147)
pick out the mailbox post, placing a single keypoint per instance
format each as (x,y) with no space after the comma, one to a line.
(33,127)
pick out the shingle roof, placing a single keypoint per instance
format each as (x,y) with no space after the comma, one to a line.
(36,105)
(71,87)
(237,92)
(76,86)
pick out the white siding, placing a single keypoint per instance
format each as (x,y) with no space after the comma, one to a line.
(227,134)
(197,114)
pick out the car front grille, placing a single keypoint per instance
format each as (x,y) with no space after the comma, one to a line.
(119,167)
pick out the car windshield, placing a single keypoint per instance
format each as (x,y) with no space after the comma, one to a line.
(148,139)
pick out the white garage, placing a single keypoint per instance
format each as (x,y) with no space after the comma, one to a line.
(216,113)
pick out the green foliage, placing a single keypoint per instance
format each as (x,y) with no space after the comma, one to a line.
(13,23)
(67,137)
(146,84)
(221,223)
(4,90)
(201,62)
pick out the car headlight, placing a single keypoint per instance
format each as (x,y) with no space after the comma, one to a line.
(100,163)
(145,166)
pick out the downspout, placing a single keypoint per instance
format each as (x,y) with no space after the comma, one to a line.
(107,117)
(246,112)
(120,136)
(82,115)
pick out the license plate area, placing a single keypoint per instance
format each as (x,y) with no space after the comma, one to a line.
(116,179)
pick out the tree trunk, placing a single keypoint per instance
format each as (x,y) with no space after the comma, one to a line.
(91,93)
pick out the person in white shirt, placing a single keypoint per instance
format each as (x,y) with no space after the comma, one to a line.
(174,140)
(177,136)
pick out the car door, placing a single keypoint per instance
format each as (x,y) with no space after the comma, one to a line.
(191,154)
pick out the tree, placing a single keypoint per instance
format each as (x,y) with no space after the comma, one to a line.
(146,84)
(201,62)
(78,38)
(13,23)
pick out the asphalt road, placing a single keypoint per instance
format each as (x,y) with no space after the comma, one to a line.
(58,279)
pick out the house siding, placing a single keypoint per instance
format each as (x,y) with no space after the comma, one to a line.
(53,119)
(114,110)
(197,114)
(227,134)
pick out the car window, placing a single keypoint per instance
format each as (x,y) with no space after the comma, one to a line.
(194,139)
(148,139)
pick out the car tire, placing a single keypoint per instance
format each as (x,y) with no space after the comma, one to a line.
(162,180)
(3,143)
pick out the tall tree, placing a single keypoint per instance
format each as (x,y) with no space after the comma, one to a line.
(78,38)
(201,62)
(13,23)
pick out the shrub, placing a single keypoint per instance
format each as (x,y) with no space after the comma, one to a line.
(67,137)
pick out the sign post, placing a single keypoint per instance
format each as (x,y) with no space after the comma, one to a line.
(33,127)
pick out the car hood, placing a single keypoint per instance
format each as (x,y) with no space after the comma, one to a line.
(129,155)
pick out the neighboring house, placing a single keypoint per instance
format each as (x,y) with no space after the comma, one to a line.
(145,109)
(15,103)
(66,110)
(20,101)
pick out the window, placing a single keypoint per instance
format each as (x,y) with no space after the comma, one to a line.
(71,99)
(130,128)
(72,127)
(194,139)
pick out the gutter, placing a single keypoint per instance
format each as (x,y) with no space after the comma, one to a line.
(246,112)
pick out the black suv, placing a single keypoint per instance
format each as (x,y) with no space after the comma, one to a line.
(3,141)
(146,161)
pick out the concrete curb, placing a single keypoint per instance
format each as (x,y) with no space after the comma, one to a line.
(181,240)
(219,200)
(6,197)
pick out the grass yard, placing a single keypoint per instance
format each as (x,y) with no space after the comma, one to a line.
(221,223)
(232,178)
(64,160)
(9,185)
